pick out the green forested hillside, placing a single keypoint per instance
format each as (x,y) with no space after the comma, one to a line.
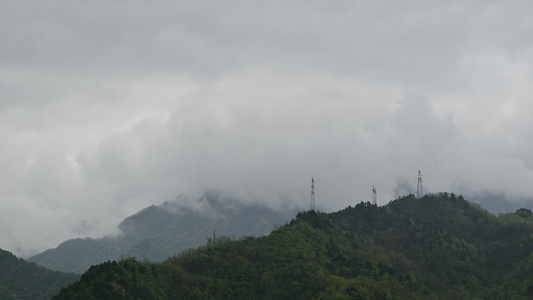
(20,279)
(436,247)
(157,232)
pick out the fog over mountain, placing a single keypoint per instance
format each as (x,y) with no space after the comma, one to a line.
(107,108)
(158,232)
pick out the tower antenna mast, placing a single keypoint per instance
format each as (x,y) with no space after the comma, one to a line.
(312,193)
(419,189)
(374,195)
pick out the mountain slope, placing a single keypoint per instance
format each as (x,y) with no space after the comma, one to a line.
(157,232)
(437,247)
(20,279)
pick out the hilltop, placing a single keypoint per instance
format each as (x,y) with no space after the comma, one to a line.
(437,247)
(20,279)
(158,232)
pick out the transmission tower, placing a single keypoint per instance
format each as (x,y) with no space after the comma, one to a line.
(419,190)
(312,194)
(374,195)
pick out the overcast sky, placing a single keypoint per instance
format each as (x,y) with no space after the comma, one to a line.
(110,106)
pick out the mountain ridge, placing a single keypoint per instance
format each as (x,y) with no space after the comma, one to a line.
(20,279)
(159,231)
(437,247)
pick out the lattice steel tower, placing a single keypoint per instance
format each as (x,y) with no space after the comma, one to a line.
(419,190)
(374,195)
(312,194)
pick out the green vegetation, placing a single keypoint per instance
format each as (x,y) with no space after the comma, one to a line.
(158,232)
(437,247)
(20,279)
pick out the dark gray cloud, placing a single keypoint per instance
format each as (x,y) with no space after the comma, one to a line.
(106,108)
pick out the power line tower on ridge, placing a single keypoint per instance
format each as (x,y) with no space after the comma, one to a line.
(419,189)
(374,195)
(312,194)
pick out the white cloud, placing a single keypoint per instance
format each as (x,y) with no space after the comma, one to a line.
(107,108)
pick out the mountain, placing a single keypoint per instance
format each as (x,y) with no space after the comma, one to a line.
(437,247)
(157,232)
(20,279)
(497,203)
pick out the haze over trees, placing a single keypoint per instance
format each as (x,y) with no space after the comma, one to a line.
(157,232)
(437,247)
(20,279)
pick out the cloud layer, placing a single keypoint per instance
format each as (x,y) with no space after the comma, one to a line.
(107,108)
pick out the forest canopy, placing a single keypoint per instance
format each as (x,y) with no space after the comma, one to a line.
(439,246)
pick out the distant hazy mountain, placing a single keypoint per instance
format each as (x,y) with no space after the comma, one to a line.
(20,279)
(158,232)
(439,246)
(499,203)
